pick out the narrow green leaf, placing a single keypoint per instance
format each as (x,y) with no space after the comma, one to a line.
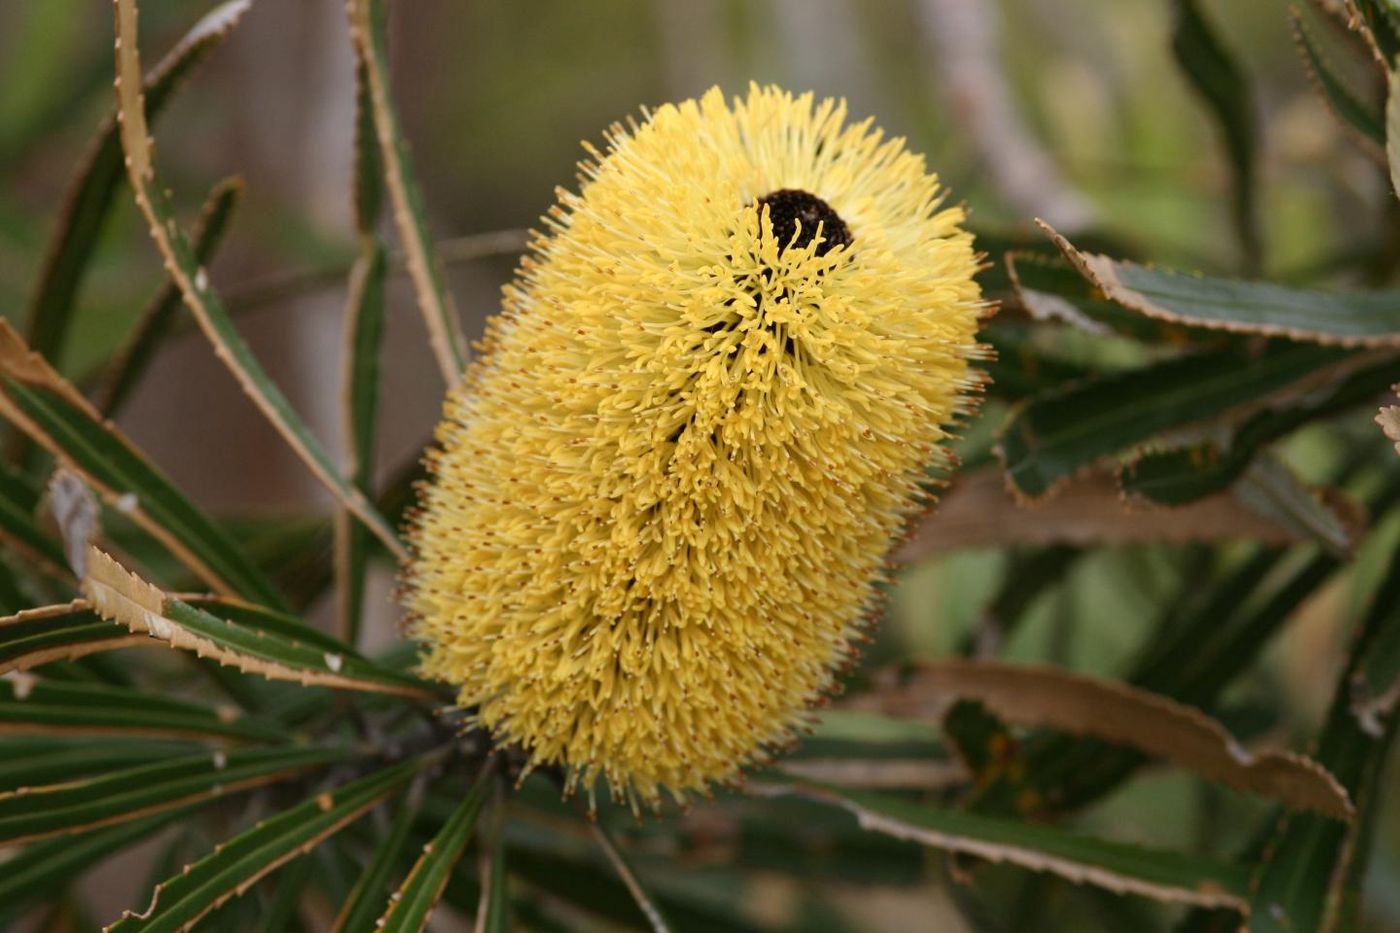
(289,885)
(203,300)
(1022,367)
(78,806)
(1354,113)
(494,911)
(1348,319)
(279,624)
(371,891)
(1207,644)
(1184,474)
(53,413)
(18,502)
(53,633)
(1271,489)
(367,32)
(30,706)
(1049,288)
(1306,873)
(364,336)
(1196,660)
(415,899)
(1051,437)
(1115,866)
(178,903)
(278,648)
(131,361)
(45,867)
(98,180)
(1221,83)
(30,760)
(366,330)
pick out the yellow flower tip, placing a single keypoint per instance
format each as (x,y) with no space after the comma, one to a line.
(664,494)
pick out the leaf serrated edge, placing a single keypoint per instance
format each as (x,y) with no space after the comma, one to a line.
(1206,895)
(434,300)
(121,596)
(1313,63)
(18,361)
(170,241)
(1100,271)
(1045,696)
(209,30)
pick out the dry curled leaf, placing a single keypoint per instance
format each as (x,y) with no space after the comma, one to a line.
(978,511)
(1116,712)
(1389,420)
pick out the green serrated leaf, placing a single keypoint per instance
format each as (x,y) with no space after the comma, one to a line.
(1126,869)
(99,178)
(30,706)
(203,301)
(367,31)
(31,760)
(415,899)
(1051,437)
(365,335)
(179,902)
(371,891)
(41,636)
(1220,81)
(1306,872)
(290,883)
(495,913)
(1050,288)
(1332,318)
(45,867)
(1184,474)
(1271,489)
(18,502)
(271,622)
(278,648)
(1354,112)
(78,806)
(131,361)
(53,413)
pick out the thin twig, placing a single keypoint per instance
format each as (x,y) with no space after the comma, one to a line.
(624,871)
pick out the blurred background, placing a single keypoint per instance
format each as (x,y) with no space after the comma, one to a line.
(1072,110)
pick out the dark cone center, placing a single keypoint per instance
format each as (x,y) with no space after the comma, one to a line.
(790,208)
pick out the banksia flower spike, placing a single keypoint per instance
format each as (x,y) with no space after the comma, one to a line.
(665,492)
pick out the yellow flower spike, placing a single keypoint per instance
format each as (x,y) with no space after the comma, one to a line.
(664,494)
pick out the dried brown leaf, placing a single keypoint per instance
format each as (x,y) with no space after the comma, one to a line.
(1389,420)
(978,511)
(1031,695)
